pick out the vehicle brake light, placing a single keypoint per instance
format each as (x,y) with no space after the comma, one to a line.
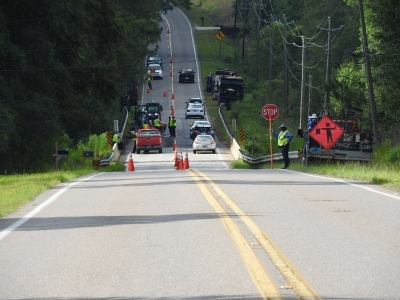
(212,142)
(196,142)
(201,110)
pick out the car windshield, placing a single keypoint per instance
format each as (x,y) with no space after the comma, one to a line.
(203,129)
(155,67)
(198,123)
(152,109)
(149,132)
(195,101)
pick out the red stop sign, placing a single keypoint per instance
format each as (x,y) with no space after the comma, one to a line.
(270,110)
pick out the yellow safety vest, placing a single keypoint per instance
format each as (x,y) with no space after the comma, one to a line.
(116,138)
(172,123)
(281,138)
(156,122)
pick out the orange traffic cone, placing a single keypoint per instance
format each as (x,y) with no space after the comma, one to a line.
(170,60)
(176,158)
(175,147)
(178,161)
(168,31)
(180,165)
(170,73)
(148,90)
(131,167)
(172,111)
(173,96)
(186,161)
(165,93)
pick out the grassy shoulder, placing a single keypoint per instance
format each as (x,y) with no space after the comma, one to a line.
(376,173)
(19,189)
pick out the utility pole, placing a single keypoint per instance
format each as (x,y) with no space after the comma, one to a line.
(303,59)
(258,39)
(285,71)
(369,75)
(234,26)
(328,59)
(244,11)
(271,44)
(309,94)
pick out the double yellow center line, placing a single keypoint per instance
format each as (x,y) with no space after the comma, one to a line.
(261,278)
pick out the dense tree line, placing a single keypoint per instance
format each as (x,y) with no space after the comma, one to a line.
(346,85)
(62,68)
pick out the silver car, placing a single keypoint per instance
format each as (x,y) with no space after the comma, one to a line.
(155,71)
(204,142)
(194,111)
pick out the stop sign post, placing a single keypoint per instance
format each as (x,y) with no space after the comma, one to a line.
(270,112)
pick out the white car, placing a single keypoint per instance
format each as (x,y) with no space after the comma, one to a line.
(195,110)
(204,142)
(195,100)
(155,71)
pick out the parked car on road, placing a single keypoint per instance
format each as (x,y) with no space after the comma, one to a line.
(204,143)
(195,100)
(156,59)
(202,129)
(195,123)
(155,71)
(194,111)
(147,140)
(186,75)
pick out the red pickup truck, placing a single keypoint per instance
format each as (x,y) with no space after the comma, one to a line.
(147,140)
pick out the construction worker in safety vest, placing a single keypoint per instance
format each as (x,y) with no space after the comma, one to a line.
(146,125)
(284,139)
(134,135)
(172,126)
(149,79)
(117,139)
(156,123)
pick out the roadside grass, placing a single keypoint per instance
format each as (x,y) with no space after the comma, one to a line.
(17,190)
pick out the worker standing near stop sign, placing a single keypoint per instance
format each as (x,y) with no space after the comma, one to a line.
(284,139)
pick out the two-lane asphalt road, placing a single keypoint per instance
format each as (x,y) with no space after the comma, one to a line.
(209,232)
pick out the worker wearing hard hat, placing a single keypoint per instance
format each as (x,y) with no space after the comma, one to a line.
(284,139)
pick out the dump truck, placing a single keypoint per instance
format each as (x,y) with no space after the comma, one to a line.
(230,89)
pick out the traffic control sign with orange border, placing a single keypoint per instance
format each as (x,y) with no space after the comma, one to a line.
(326,132)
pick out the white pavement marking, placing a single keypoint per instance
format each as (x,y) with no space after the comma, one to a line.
(25,218)
(349,183)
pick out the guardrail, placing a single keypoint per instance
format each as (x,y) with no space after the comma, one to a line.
(116,153)
(237,152)
(267,158)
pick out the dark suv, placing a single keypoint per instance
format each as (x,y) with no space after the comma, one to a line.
(201,129)
(186,75)
(156,59)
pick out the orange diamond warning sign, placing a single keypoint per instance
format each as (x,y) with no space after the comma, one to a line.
(326,132)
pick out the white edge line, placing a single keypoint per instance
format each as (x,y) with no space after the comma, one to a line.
(29,215)
(349,183)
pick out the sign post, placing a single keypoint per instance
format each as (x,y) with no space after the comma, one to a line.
(270,112)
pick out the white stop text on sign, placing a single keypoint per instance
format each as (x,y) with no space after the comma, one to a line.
(270,111)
